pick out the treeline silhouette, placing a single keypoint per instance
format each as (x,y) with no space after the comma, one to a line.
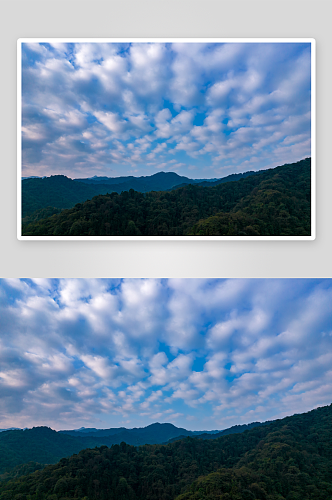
(289,459)
(275,202)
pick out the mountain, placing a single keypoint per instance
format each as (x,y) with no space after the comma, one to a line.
(59,191)
(228,178)
(43,445)
(39,444)
(275,202)
(235,429)
(160,181)
(10,429)
(288,459)
(33,177)
(20,470)
(94,432)
(154,433)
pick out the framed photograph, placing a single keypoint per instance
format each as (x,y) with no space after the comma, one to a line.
(185,139)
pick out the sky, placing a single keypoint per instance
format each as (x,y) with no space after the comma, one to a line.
(202,354)
(203,110)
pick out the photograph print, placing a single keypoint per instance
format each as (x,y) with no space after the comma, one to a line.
(166,139)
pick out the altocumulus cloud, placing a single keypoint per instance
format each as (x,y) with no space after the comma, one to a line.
(199,353)
(201,109)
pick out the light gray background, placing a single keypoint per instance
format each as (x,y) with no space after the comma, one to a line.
(165,18)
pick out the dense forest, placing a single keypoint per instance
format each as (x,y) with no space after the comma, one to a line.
(59,191)
(151,434)
(42,195)
(43,445)
(288,459)
(274,202)
(56,191)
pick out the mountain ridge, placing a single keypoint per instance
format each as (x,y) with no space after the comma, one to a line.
(117,430)
(50,446)
(275,202)
(288,459)
(61,192)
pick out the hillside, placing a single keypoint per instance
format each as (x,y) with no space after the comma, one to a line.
(161,181)
(235,429)
(40,444)
(274,202)
(92,431)
(152,434)
(228,178)
(45,446)
(44,196)
(289,459)
(58,191)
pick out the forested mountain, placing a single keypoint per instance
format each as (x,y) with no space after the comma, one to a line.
(161,181)
(43,445)
(20,470)
(92,431)
(40,444)
(288,459)
(274,202)
(228,178)
(56,192)
(235,429)
(152,434)
(41,195)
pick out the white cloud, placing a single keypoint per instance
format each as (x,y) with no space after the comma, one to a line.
(72,350)
(156,91)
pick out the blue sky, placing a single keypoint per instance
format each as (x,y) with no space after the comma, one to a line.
(203,110)
(199,353)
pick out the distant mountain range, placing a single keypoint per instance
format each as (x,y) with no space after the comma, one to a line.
(159,181)
(286,459)
(154,433)
(59,191)
(11,429)
(273,202)
(162,432)
(44,445)
(33,177)
(235,429)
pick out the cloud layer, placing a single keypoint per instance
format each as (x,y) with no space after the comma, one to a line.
(203,354)
(201,109)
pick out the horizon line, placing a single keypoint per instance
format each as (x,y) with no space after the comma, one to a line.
(156,173)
